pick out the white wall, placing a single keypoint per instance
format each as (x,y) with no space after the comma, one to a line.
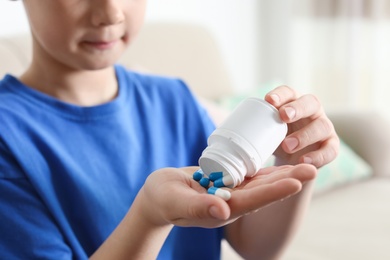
(12,18)
(234,23)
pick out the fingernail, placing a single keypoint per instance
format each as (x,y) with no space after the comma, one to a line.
(290,112)
(275,98)
(291,143)
(214,212)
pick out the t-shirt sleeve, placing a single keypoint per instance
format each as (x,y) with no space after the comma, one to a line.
(28,231)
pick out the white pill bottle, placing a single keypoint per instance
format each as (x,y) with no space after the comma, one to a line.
(244,141)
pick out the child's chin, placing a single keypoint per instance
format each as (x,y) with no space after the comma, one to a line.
(96,65)
(98,61)
(101,67)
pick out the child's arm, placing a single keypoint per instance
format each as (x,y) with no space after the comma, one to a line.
(138,236)
(312,139)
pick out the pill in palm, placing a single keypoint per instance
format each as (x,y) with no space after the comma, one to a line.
(204,182)
(225,181)
(223,194)
(198,175)
(215,176)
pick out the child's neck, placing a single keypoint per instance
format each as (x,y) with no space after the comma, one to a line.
(78,87)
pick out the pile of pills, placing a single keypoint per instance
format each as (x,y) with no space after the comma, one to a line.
(219,181)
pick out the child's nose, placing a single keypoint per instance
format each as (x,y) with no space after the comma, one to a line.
(107,12)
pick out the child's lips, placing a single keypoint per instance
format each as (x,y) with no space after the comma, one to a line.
(101,45)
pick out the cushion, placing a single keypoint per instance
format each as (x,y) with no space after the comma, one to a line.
(346,168)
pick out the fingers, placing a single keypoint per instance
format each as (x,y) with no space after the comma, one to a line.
(195,204)
(188,208)
(315,139)
(202,207)
(268,170)
(293,107)
(315,131)
(270,185)
(307,106)
(247,200)
(326,153)
(281,95)
(300,172)
(171,195)
(311,136)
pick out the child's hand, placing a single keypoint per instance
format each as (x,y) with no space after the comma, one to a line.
(171,196)
(311,137)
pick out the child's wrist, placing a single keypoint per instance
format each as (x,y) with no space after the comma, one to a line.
(139,235)
(149,213)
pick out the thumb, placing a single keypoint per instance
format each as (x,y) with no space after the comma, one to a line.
(203,210)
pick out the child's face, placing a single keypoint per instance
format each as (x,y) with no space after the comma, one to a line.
(83,34)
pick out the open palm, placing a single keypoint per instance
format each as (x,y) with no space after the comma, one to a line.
(177,199)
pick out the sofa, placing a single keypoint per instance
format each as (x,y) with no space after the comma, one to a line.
(349,217)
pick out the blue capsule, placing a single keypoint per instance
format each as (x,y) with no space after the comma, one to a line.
(225,181)
(204,182)
(215,176)
(223,194)
(198,175)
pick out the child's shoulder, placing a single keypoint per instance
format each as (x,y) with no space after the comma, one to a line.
(8,88)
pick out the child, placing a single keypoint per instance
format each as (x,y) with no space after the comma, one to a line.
(94,158)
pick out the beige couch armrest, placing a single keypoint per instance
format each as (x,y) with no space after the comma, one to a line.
(368,134)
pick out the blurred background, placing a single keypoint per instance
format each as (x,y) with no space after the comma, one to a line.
(336,49)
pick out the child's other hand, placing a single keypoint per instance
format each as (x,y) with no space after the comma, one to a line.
(171,196)
(311,137)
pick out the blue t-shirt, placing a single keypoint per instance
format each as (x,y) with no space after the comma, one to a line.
(69,174)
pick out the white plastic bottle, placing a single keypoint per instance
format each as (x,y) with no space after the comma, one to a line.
(243,142)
